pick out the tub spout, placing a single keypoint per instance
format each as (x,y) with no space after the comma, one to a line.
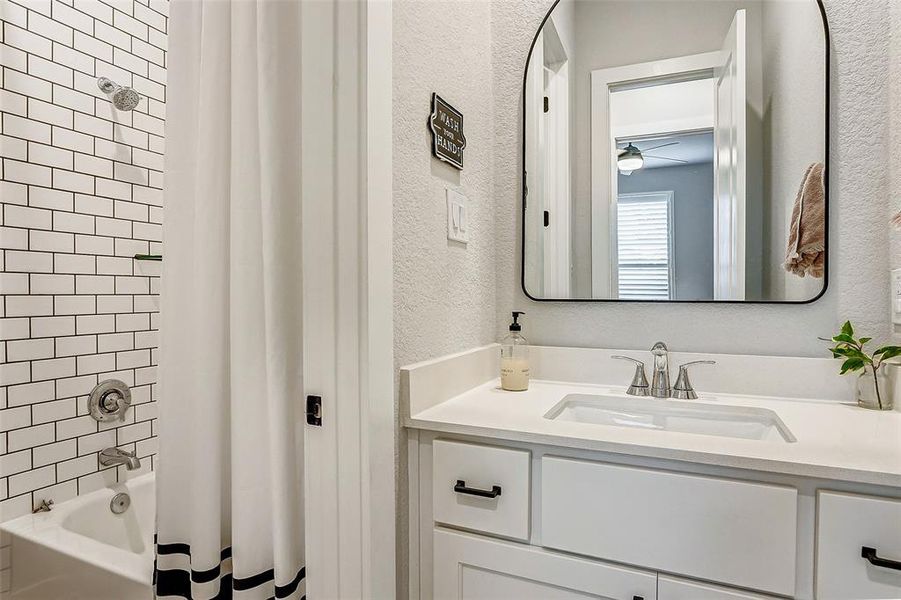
(113,456)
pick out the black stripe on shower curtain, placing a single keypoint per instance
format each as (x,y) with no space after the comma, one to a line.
(177,582)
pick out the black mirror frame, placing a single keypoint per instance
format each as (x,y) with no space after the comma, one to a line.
(826,183)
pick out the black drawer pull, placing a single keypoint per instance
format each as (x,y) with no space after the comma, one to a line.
(870,555)
(461,488)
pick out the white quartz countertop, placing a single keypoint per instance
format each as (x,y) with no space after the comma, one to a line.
(835,440)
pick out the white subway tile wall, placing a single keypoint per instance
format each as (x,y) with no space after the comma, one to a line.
(80,193)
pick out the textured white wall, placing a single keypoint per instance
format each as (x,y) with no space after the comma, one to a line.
(448,299)
(444,299)
(859,204)
(894,122)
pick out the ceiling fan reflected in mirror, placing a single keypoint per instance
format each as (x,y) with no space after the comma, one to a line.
(631,158)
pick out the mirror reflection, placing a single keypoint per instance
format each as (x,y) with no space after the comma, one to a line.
(675,151)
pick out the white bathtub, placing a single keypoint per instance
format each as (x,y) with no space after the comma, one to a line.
(82,551)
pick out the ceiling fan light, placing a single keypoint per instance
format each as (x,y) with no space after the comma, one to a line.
(629,162)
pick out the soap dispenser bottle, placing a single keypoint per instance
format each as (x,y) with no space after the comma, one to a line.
(515,358)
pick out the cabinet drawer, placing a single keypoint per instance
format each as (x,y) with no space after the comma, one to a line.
(477,568)
(734,532)
(481,487)
(672,588)
(846,524)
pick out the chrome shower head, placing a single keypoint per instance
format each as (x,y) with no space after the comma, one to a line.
(123,98)
(126,99)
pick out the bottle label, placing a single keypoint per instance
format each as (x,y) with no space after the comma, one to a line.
(515,374)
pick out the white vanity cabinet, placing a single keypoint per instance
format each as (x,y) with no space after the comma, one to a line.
(496,520)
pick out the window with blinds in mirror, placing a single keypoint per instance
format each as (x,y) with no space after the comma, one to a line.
(644,246)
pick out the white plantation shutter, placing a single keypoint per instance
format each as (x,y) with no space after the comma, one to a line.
(644,246)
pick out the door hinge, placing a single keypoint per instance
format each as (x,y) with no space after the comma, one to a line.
(525,189)
(314,410)
(547,104)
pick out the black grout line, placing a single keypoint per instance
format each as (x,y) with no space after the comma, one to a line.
(78,477)
(74,233)
(77,416)
(45,187)
(94,25)
(74,88)
(95,138)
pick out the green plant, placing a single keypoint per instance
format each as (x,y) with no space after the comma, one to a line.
(854,358)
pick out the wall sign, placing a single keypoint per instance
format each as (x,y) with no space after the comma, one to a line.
(446,125)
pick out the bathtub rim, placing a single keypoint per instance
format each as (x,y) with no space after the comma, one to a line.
(46,529)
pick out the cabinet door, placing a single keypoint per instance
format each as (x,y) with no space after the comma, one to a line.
(847,524)
(672,588)
(470,567)
(733,532)
(456,464)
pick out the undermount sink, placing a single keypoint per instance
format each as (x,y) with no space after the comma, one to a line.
(666,415)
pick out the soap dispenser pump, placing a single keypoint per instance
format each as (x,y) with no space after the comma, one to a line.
(515,358)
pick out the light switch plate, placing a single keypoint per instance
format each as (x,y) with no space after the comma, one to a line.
(896,296)
(457,216)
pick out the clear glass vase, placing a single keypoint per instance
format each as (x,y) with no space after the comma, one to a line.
(874,392)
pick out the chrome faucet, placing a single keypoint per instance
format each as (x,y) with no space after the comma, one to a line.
(113,456)
(660,387)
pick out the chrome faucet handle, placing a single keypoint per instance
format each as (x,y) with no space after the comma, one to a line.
(639,385)
(683,390)
(109,400)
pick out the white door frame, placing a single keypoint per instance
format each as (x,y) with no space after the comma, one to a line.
(557,198)
(730,166)
(555,163)
(603,144)
(348,299)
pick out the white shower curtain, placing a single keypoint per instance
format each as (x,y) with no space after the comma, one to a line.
(229,480)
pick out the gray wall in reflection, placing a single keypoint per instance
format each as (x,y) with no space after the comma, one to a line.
(624,32)
(692,187)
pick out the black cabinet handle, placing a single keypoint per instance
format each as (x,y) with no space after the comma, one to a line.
(461,488)
(870,555)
